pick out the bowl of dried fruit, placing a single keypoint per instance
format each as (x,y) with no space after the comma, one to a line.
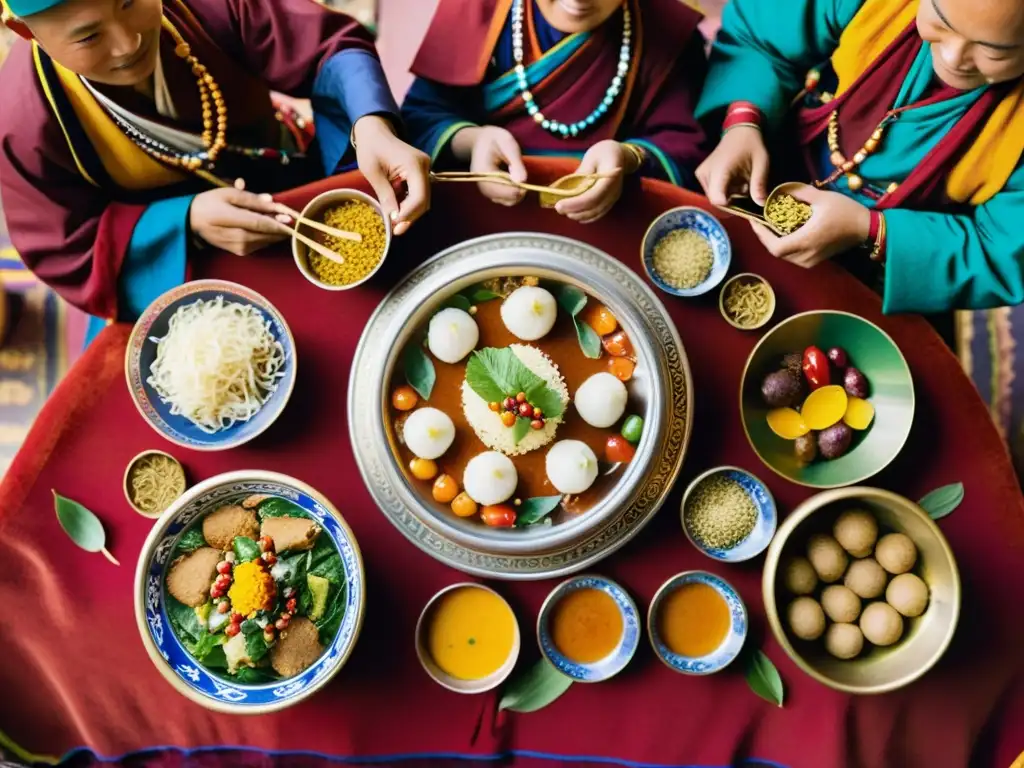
(827,399)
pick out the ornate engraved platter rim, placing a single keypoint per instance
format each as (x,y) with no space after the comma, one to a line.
(463,264)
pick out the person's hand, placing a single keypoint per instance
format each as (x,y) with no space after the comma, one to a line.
(738,166)
(837,224)
(237,221)
(385,160)
(491,149)
(606,157)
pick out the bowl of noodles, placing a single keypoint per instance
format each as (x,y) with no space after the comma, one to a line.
(210,365)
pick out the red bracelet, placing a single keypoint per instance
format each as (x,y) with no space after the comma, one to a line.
(742,113)
(874,226)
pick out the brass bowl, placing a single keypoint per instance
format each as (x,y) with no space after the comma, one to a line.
(747,277)
(925,639)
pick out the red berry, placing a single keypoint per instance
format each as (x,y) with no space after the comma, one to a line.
(236,618)
(232,629)
(223,567)
(223,607)
(266,544)
(510,404)
(281,624)
(537,424)
(495,406)
(521,397)
(216,591)
(269,558)
(526,410)
(537,413)
(291,605)
(268,634)
(508,418)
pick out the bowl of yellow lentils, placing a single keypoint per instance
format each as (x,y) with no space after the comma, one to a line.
(352,211)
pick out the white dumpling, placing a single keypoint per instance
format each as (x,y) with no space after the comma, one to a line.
(428,432)
(571,466)
(452,334)
(601,400)
(490,478)
(529,312)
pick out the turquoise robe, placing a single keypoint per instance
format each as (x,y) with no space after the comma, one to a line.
(935,261)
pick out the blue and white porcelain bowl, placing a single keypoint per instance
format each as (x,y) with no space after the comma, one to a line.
(614,662)
(764,527)
(727,650)
(141,354)
(173,660)
(705,225)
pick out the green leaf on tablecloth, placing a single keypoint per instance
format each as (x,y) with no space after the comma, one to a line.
(190,542)
(942,501)
(571,299)
(82,526)
(245,549)
(590,342)
(535,509)
(763,678)
(251,676)
(278,507)
(479,294)
(534,689)
(458,301)
(419,370)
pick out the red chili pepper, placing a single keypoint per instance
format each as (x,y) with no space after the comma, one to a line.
(816,369)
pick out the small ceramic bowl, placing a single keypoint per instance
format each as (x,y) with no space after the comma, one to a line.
(315,210)
(745,278)
(726,651)
(450,682)
(925,638)
(764,528)
(891,392)
(704,224)
(614,662)
(141,353)
(128,475)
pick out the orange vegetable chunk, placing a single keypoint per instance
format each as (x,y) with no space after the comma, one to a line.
(824,407)
(787,423)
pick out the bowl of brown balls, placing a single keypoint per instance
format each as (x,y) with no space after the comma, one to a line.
(861,590)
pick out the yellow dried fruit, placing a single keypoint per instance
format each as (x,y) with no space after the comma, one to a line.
(787,423)
(824,407)
(859,414)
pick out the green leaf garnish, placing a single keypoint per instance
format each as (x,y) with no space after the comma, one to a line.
(184,621)
(573,300)
(255,646)
(535,509)
(419,370)
(495,374)
(206,644)
(252,676)
(478,294)
(763,678)
(942,501)
(458,301)
(535,688)
(190,542)
(82,526)
(276,507)
(245,549)
(520,429)
(215,659)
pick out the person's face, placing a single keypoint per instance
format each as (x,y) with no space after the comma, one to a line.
(572,16)
(112,42)
(974,42)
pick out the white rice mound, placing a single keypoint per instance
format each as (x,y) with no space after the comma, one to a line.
(487,424)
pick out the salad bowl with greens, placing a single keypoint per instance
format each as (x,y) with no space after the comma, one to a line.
(250,592)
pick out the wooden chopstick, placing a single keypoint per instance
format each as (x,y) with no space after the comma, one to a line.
(325,228)
(500,177)
(313,245)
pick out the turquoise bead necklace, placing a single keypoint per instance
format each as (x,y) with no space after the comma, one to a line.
(566,130)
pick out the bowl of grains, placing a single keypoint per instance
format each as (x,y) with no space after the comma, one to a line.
(729,514)
(784,212)
(747,301)
(153,481)
(686,252)
(351,211)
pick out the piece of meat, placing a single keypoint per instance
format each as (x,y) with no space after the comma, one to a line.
(254,501)
(221,526)
(296,648)
(290,533)
(191,575)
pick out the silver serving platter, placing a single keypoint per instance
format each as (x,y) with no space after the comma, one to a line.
(662,383)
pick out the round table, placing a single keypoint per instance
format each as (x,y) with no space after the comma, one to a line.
(75,673)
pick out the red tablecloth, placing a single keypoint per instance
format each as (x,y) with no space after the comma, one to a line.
(74,672)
